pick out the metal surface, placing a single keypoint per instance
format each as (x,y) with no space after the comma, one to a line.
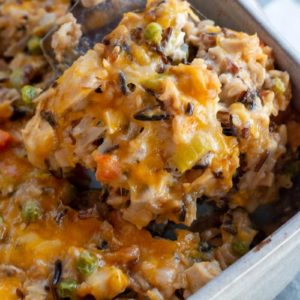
(263,273)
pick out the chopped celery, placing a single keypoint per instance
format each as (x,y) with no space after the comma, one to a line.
(278,86)
(113,120)
(153,82)
(186,155)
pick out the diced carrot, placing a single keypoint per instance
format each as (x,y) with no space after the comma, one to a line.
(5,139)
(108,167)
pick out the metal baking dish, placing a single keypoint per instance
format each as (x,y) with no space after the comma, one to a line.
(265,271)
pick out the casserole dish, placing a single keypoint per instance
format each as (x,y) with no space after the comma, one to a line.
(81,113)
(266,270)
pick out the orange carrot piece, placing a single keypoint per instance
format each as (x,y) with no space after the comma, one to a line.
(108,167)
(5,140)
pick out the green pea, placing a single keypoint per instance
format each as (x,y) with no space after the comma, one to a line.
(28,93)
(34,45)
(31,211)
(17,78)
(86,263)
(239,247)
(153,33)
(66,288)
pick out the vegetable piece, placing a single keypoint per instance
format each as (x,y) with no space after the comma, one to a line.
(187,155)
(66,288)
(31,211)
(278,86)
(153,33)
(86,263)
(239,247)
(108,167)
(154,82)
(113,119)
(5,140)
(34,45)
(17,78)
(28,93)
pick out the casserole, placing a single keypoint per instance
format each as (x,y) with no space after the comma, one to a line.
(78,271)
